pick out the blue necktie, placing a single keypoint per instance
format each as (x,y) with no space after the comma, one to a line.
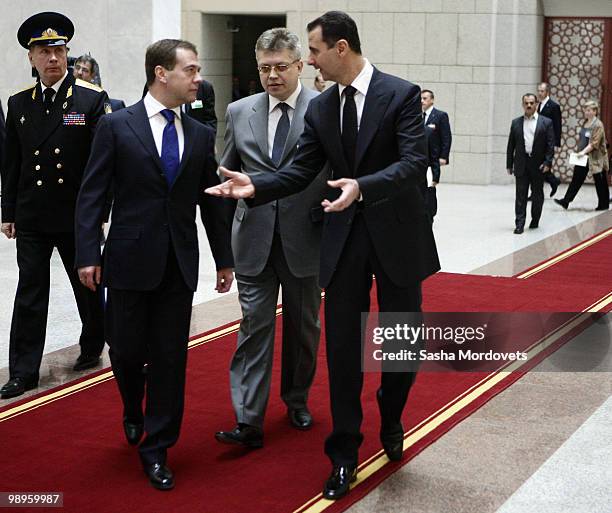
(170,148)
(280,136)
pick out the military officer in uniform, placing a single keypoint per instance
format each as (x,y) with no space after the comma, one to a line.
(49,129)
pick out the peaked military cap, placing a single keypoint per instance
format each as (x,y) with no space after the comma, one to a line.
(45,28)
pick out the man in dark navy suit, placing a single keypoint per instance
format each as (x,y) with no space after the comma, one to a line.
(203,107)
(159,162)
(369,127)
(439,133)
(49,130)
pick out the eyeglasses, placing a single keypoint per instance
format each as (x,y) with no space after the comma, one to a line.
(265,69)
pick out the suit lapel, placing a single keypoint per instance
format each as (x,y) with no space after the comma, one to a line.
(189,137)
(48,123)
(258,122)
(329,113)
(139,123)
(296,128)
(376,103)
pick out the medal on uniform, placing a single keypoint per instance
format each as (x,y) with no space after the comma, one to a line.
(65,105)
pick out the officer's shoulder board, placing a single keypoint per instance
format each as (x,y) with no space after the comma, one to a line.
(29,88)
(88,85)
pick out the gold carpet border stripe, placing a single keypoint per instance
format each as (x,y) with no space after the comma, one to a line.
(84,385)
(318,504)
(564,255)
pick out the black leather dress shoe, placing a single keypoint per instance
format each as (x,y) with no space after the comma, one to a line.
(518,230)
(554,186)
(300,418)
(339,482)
(533,224)
(133,431)
(243,434)
(563,203)
(160,476)
(17,386)
(602,208)
(393,445)
(84,362)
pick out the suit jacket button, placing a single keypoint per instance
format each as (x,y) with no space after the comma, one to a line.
(59,165)
(60,181)
(57,151)
(37,167)
(36,153)
(39,183)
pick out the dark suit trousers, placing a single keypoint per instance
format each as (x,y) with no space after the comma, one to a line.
(346,297)
(531,178)
(251,367)
(29,324)
(601,186)
(152,327)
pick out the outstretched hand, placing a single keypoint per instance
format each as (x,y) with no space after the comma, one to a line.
(238,186)
(350,192)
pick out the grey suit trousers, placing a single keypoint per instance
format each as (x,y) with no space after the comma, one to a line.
(251,367)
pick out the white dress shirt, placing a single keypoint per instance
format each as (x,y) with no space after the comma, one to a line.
(55,87)
(529,128)
(275,113)
(362,84)
(158,123)
(427,114)
(542,103)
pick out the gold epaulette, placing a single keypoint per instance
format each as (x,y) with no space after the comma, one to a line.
(31,86)
(88,85)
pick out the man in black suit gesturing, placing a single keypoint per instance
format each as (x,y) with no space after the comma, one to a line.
(159,162)
(369,127)
(529,155)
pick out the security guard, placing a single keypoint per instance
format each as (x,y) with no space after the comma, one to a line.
(50,126)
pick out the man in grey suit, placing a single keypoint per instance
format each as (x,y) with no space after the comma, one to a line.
(273,244)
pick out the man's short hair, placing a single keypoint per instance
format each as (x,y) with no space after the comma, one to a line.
(423,91)
(163,53)
(527,95)
(278,39)
(336,25)
(93,64)
(546,86)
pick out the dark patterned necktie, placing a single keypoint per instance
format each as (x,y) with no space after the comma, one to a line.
(170,147)
(349,128)
(280,136)
(48,99)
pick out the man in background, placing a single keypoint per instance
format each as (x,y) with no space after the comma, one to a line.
(529,155)
(86,68)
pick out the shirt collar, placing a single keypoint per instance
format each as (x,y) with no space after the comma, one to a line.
(543,102)
(291,101)
(362,81)
(535,116)
(154,107)
(57,85)
(428,111)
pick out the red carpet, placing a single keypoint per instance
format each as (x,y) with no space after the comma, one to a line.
(75,444)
